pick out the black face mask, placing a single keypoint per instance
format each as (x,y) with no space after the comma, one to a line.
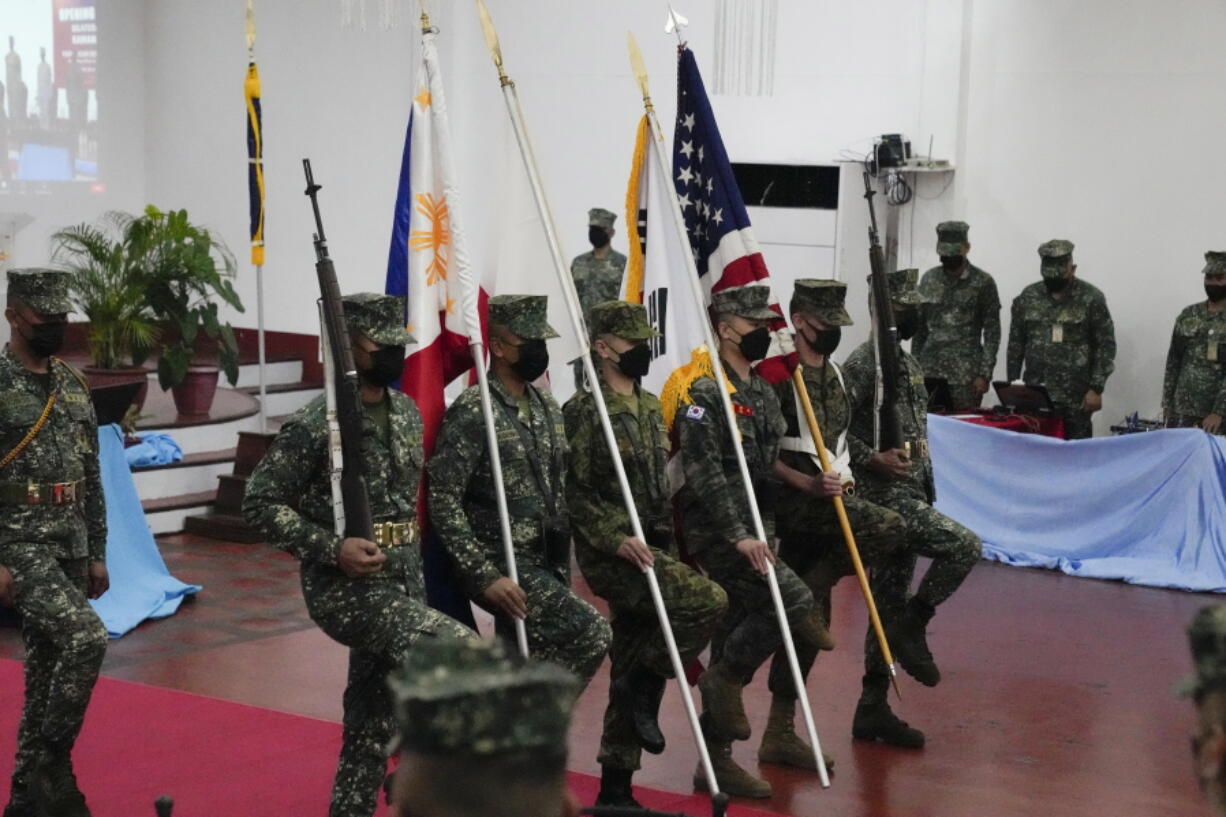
(46,338)
(825,341)
(533,360)
(952,263)
(635,361)
(1055,285)
(386,365)
(1216,292)
(755,344)
(597,236)
(907,323)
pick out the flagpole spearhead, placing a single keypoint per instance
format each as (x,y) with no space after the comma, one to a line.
(491,41)
(426,28)
(639,69)
(250,31)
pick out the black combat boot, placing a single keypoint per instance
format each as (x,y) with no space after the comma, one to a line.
(876,722)
(909,638)
(21,803)
(615,788)
(54,787)
(639,692)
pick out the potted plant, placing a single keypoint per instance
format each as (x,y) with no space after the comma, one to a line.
(107,286)
(187,271)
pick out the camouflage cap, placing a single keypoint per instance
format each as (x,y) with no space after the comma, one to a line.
(378,317)
(904,287)
(621,318)
(525,315)
(823,299)
(43,290)
(951,236)
(1054,256)
(477,696)
(751,301)
(1207,637)
(600,217)
(1215,263)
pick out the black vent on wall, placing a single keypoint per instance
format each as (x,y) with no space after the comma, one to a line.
(811,186)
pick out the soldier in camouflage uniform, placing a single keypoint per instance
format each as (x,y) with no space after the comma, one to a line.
(810,537)
(1061,329)
(1207,687)
(959,324)
(482,732)
(613,561)
(719,531)
(901,480)
(598,274)
(369,596)
(1194,388)
(532,446)
(52,540)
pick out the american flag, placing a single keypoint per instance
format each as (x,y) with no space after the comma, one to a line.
(725,250)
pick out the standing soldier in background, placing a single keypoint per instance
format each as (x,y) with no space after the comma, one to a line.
(369,596)
(1062,330)
(901,479)
(1194,388)
(52,540)
(598,274)
(464,508)
(810,538)
(959,321)
(613,561)
(719,530)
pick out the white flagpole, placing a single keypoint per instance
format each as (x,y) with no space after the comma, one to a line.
(695,288)
(259,311)
(577,325)
(472,317)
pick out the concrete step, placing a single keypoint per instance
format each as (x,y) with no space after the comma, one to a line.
(169,514)
(286,398)
(196,472)
(279,371)
(225,527)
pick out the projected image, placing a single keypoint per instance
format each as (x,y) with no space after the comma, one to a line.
(48,97)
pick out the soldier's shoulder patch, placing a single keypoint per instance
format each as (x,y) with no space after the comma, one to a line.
(696,413)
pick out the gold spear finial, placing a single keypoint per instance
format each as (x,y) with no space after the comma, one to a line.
(250,31)
(639,69)
(491,41)
(425,18)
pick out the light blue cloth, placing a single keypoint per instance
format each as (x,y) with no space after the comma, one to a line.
(155,448)
(1146,508)
(141,586)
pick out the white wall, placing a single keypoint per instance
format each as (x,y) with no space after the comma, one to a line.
(1100,121)
(121,69)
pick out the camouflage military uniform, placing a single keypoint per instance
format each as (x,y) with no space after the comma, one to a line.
(954,549)
(810,537)
(1195,381)
(481,728)
(49,545)
(597,279)
(959,327)
(464,510)
(1068,346)
(598,513)
(380,617)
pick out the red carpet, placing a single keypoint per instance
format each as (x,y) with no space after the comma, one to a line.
(217,758)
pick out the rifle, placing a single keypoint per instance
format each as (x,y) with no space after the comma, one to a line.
(356,504)
(887,428)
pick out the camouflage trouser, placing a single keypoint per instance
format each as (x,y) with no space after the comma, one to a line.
(820,558)
(1078,424)
(562,627)
(379,622)
(954,550)
(750,633)
(963,397)
(695,606)
(65,643)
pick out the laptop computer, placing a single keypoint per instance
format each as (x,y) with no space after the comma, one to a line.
(111,403)
(1020,399)
(939,399)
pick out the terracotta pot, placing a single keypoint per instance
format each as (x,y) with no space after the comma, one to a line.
(195,394)
(95,376)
